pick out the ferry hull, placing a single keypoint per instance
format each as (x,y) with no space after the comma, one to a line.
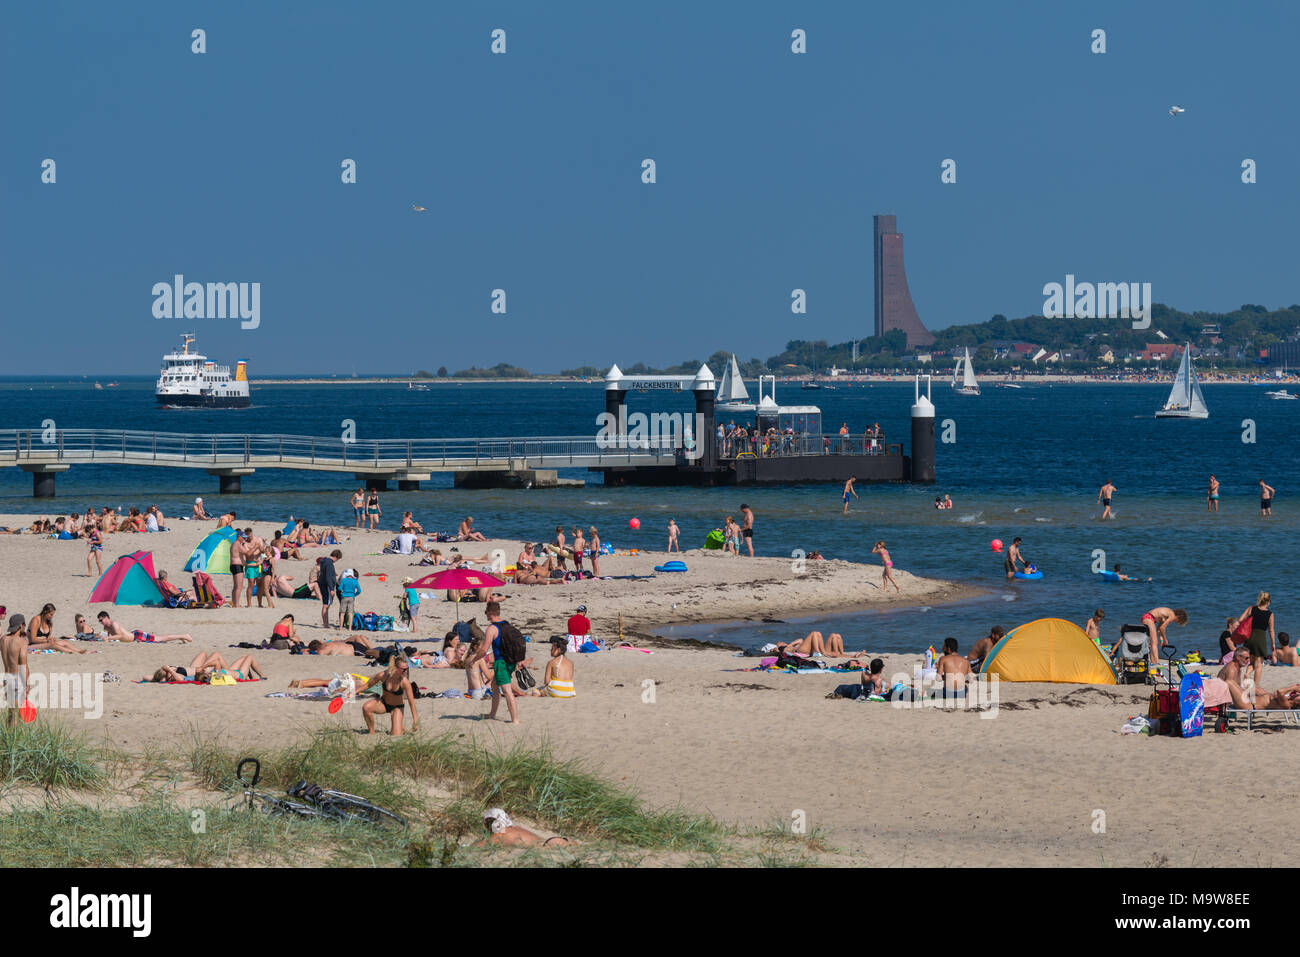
(204,401)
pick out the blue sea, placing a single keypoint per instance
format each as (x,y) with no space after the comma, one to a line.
(1026,463)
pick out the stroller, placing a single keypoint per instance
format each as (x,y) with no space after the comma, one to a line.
(1132,655)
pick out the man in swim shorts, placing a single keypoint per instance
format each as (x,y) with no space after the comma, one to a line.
(1013,556)
(849,490)
(113,631)
(747,530)
(1266,493)
(1104,496)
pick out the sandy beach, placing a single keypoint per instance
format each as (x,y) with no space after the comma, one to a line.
(1020,784)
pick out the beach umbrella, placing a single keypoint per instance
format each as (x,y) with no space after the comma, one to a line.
(459,579)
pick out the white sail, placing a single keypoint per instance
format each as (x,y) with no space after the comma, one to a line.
(1185,399)
(963,376)
(732,388)
(968,377)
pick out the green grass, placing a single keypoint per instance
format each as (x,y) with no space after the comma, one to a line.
(529,783)
(50,756)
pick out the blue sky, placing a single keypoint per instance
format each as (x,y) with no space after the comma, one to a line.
(225,166)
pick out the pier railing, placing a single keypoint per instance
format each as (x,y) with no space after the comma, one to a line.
(73,446)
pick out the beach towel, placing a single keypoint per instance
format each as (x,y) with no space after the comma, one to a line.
(199,684)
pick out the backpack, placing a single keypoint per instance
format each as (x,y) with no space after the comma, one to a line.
(513,647)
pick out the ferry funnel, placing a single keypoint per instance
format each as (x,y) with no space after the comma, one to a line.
(922,466)
(241,371)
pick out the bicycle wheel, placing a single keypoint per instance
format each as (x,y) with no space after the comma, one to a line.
(275,805)
(351,808)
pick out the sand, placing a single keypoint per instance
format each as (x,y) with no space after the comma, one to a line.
(1044,779)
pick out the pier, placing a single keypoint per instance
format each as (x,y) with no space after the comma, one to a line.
(785,445)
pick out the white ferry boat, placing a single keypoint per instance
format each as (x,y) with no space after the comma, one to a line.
(189,380)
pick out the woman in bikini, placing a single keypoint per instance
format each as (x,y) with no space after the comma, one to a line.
(205,665)
(372,510)
(888,577)
(40,635)
(395,694)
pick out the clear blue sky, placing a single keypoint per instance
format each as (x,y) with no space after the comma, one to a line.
(226,167)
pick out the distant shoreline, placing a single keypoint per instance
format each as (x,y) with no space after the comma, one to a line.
(794,380)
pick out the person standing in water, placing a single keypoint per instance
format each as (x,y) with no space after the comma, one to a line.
(887,578)
(1212,496)
(1266,493)
(747,530)
(1103,496)
(672,535)
(1013,557)
(849,490)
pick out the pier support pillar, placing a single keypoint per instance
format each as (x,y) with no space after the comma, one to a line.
(410,481)
(377,482)
(43,478)
(228,480)
(707,440)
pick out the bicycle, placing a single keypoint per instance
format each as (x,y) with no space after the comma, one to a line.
(321,802)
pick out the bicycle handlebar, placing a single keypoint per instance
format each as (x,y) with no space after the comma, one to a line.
(257,772)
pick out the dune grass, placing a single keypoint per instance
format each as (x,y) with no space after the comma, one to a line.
(50,756)
(530,783)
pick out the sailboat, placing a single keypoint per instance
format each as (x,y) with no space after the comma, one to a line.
(1185,399)
(963,377)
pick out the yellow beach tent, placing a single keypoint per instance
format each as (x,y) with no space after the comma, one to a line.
(1049,649)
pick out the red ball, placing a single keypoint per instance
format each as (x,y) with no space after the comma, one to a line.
(634,524)
(996,545)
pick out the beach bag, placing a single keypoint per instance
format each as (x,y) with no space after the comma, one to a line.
(392,548)
(221,680)
(1242,631)
(714,539)
(404,609)
(513,647)
(383,623)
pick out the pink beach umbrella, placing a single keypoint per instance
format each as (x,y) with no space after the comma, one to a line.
(459,579)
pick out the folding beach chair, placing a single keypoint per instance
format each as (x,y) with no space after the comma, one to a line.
(1131,656)
(205,592)
(1288,716)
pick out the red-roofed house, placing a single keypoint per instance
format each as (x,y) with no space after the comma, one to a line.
(1161,350)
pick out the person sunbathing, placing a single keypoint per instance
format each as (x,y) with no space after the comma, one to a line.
(40,635)
(1284,654)
(813,644)
(466,533)
(205,665)
(113,631)
(173,591)
(286,548)
(557,682)
(502,830)
(409,524)
(355,647)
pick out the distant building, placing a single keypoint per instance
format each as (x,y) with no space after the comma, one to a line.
(1159,351)
(893,300)
(1211,329)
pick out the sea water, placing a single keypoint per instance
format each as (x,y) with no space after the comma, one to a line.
(1023,462)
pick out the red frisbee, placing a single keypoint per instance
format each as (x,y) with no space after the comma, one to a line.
(335,705)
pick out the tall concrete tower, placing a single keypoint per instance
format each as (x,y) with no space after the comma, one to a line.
(894,309)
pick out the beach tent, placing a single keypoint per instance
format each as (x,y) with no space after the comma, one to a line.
(1049,649)
(213,553)
(129,581)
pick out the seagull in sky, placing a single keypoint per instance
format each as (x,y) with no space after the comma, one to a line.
(418,209)
(1175,110)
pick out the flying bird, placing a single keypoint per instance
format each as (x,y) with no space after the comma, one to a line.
(418,209)
(1175,110)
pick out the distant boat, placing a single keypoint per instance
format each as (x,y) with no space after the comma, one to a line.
(416,387)
(1185,399)
(809,386)
(963,377)
(1009,385)
(1282,394)
(98,386)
